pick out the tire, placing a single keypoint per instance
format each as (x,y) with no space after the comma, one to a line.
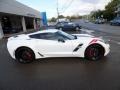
(94,52)
(77,28)
(60,28)
(24,55)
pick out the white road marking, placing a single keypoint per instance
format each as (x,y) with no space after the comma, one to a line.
(86,30)
(119,43)
(116,42)
(110,40)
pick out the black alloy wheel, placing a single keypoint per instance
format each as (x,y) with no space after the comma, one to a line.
(25,55)
(94,52)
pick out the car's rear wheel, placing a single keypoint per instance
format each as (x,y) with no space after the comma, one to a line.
(94,52)
(77,28)
(25,55)
(111,24)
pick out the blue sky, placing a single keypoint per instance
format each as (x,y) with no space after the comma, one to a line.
(66,7)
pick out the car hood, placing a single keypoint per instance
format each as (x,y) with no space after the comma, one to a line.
(83,35)
(86,37)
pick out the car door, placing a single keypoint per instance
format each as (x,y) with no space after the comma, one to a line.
(70,26)
(51,46)
(56,48)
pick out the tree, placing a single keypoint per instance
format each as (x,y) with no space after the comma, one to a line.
(110,9)
(97,14)
(61,16)
(108,13)
(53,19)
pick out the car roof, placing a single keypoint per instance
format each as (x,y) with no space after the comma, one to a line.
(45,31)
(63,22)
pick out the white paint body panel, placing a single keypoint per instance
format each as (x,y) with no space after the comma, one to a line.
(51,48)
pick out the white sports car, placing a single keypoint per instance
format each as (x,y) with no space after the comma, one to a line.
(55,43)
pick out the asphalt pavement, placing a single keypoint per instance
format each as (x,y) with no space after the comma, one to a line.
(107,28)
(63,73)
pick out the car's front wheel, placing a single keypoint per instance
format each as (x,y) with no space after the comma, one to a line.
(24,55)
(94,52)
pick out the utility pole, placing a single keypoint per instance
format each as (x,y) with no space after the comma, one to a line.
(57,10)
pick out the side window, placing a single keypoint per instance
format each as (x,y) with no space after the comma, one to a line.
(47,36)
(65,23)
(59,24)
(58,36)
(36,36)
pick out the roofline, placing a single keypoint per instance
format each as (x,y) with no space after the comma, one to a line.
(27,6)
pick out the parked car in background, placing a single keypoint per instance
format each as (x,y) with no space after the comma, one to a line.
(67,26)
(99,21)
(63,20)
(115,21)
(86,21)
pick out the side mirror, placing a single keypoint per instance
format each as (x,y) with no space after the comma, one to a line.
(61,40)
(75,37)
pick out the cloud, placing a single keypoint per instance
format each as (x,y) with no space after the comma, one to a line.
(91,1)
(83,7)
(66,7)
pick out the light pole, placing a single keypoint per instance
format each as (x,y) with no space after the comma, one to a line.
(57,10)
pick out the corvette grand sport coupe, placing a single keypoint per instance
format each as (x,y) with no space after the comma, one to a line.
(55,43)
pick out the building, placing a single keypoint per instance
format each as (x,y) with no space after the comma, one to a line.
(118,11)
(16,17)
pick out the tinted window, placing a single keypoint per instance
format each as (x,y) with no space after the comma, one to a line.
(53,36)
(50,36)
(43,36)
(62,23)
(66,35)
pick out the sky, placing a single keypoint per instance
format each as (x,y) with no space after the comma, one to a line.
(66,7)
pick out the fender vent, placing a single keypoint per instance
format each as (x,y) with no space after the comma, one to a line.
(40,54)
(77,48)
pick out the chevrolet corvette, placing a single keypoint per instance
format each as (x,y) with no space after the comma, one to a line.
(55,43)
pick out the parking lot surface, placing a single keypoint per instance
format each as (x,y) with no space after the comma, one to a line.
(62,73)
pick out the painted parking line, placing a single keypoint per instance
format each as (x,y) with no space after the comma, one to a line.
(119,43)
(116,42)
(108,37)
(87,31)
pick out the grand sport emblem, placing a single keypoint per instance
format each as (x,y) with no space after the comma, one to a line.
(55,43)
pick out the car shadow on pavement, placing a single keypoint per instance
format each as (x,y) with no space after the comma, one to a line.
(69,60)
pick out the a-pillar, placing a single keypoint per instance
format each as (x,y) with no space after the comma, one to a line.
(24,24)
